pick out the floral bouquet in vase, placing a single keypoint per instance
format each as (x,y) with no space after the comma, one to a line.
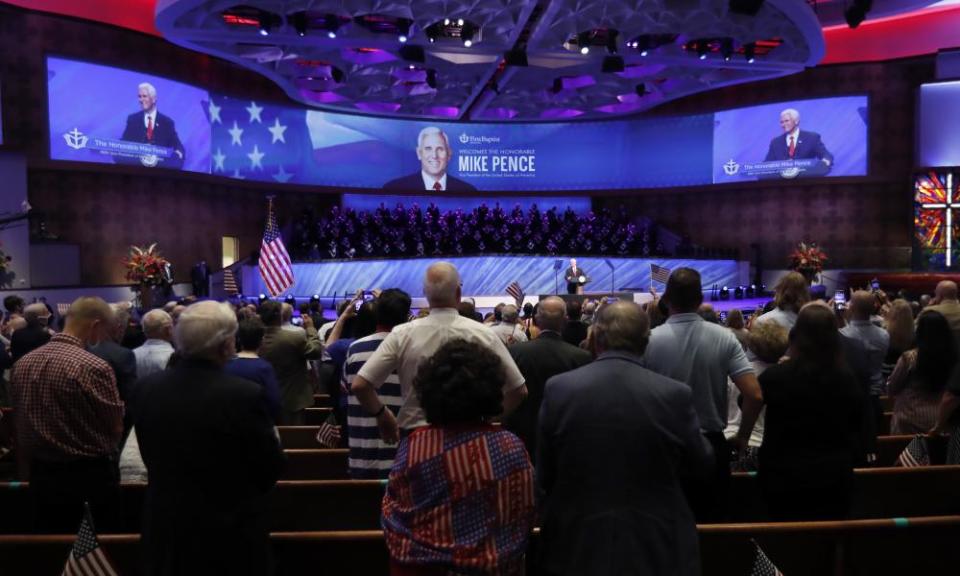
(146,268)
(807,259)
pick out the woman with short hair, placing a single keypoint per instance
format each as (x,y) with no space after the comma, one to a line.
(460,498)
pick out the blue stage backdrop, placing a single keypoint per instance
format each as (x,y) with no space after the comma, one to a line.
(490,275)
(579,204)
(93,110)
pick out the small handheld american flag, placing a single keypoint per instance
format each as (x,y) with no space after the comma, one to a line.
(328,435)
(659,273)
(516,291)
(916,453)
(762,566)
(87,558)
(276,269)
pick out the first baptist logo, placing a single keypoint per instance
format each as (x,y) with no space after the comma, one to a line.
(731,168)
(75,139)
(464,138)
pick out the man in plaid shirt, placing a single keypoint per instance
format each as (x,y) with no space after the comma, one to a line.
(69,419)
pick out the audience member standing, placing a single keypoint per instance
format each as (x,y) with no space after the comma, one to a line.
(461,494)
(790,294)
(575,330)
(121,360)
(812,425)
(899,323)
(288,352)
(370,457)
(155,353)
(410,344)
(920,376)
(212,454)
(945,302)
(248,365)
(34,335)
(509,329)
(538,361)
(875,340)
(704,355)
(69,420)
(616,441)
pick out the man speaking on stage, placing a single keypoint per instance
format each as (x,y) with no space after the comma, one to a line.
(797,144)
(575,278)
(433,151)
(151,127)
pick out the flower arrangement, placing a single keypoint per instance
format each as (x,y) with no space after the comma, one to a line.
(145,266)
(5,260)
(807,259)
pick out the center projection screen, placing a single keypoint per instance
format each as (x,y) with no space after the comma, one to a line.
(112,116)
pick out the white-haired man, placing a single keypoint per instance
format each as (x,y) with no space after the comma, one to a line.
(434,153)
(155,353)
(409,344)
(211,452)
(508,329)
(151,127)
(797,144)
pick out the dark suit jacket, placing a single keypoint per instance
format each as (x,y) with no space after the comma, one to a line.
(164,134)
(615,442)
(26,340)
(415,182)
(572,279)
(538,361)
(809,145)
(288,352)
(124,364)
(211,455)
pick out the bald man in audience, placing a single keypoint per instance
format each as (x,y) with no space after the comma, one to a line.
(33,334)
(945,302)
(411,343)
(69,421)
(508,329)
(155,353)
(539,360)
(616,443)
(212,455)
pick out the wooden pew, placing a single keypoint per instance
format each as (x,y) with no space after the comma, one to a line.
(917,545)
(316,464)
(355,505)
(322,401)
(316,416)
(298,437)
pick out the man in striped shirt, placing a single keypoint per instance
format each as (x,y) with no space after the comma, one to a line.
(371,457)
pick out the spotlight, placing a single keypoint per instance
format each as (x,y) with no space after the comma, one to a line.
(585,50)
(331,34)
(738,293)
(750,52)
(726,49)
(299,21)
(402,39)
(612,64)
(642,52)
(290,300)
(724,293)
(264,29)
(262,298)
(460,22)
(468,42)
(315,298)
(857,12)
(446,21)
(747,7)
(751,291)
(432,39)
(702,49)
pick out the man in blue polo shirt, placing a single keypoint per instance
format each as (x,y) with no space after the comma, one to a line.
(704,355)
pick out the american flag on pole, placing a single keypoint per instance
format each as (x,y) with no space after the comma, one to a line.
(762,566)
(87,558)
(275,266)
(659,273)
(516,291)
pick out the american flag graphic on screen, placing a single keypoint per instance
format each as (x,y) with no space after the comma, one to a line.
(275,266)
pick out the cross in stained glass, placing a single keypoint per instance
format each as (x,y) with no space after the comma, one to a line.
(935,200)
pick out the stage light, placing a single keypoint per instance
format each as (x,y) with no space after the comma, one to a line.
(726,49)
(315,298)
(642,53)
(857,12)
(738,293)
(264,29)
(263,298)
(750,52)
(725,293)
(751,291)
(612,64)
(290,300)
(585,50)
(331,34)
(460,22)
(468,42)
(432,39)
(702,49)
(299,21)
(446,21)
(402,38)
(747,7)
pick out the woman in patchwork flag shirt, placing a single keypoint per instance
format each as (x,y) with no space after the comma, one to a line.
(461,494)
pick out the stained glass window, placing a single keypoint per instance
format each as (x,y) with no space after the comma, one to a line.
(936,196)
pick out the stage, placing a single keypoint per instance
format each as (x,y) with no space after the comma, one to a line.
(485,278)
